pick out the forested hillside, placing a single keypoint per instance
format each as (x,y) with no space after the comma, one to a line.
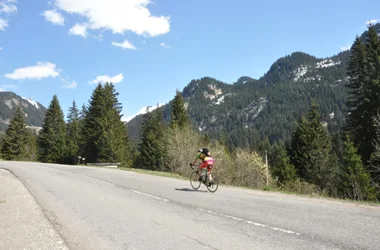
(250,111)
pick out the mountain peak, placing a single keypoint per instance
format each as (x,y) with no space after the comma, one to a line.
(34,111)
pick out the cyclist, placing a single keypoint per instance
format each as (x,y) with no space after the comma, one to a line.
(204,155)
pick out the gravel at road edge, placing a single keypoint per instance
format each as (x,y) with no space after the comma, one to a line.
(22,222)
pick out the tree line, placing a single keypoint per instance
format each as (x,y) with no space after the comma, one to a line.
(345,164)
(95,133)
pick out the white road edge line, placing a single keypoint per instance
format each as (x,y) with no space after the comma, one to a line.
(95,179)
(135,191)
(249,222)
(152,196)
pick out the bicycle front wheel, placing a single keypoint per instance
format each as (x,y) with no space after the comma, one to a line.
(194,180)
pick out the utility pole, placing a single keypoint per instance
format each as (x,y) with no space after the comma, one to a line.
(266,167)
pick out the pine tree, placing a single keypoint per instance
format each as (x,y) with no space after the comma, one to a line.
(298,148)
(179,116)
(32,145)
(281,166)
(364,87)
(83,112)
(152,148)
(105,135)
(91,127)
(16,142)
(356,93)
(355,180)
(73,134)
(311,148)
(52,137)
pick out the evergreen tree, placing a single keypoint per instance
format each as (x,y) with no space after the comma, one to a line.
(298,147)
(179,116)
(152,148)
(91,127)
(83,112)
(105,135)
(311,146)
(73,134)
(374,166)
(281,166)
(364,87)
(16,142)
(355,180)
(52,137)
(32,146)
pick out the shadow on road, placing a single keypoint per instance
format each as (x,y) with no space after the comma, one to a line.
(189,190)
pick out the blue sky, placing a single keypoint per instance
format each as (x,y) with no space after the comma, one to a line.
(151,48)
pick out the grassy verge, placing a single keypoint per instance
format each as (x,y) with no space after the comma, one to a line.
(267,189)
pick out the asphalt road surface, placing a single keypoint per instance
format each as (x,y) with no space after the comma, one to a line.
(98,208)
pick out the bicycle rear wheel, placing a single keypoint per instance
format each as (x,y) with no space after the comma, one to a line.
(214,186)
(194,180)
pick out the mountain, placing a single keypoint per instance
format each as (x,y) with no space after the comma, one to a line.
(34,111)
(250,111)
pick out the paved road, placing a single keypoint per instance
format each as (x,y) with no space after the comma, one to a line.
(96,208)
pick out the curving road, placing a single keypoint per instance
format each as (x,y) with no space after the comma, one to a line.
(98,208)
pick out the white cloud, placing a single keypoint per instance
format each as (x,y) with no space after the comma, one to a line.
(345,47)
(164,45)
(125,45)
(8,8)
(103,79)
(38,71)
(371,22)
(70,85)
(54,17)
(118,16)
(3,24)
(9,86)
(6,87)
(79,30)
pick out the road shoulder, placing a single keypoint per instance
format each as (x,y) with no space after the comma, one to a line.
(22,222)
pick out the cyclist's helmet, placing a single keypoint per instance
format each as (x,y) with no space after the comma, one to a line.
(206,151)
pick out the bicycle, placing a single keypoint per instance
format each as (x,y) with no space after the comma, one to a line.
(196,179)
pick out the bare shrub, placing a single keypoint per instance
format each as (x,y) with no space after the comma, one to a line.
(182,146)
(250,169)
(301,187)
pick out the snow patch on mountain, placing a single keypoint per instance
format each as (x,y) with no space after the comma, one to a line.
(142,111)
(326,64)
(221,99)
(299,72)
(35,104)
(217,92)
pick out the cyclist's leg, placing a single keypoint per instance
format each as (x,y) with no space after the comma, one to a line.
(209,173)
(201,168)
